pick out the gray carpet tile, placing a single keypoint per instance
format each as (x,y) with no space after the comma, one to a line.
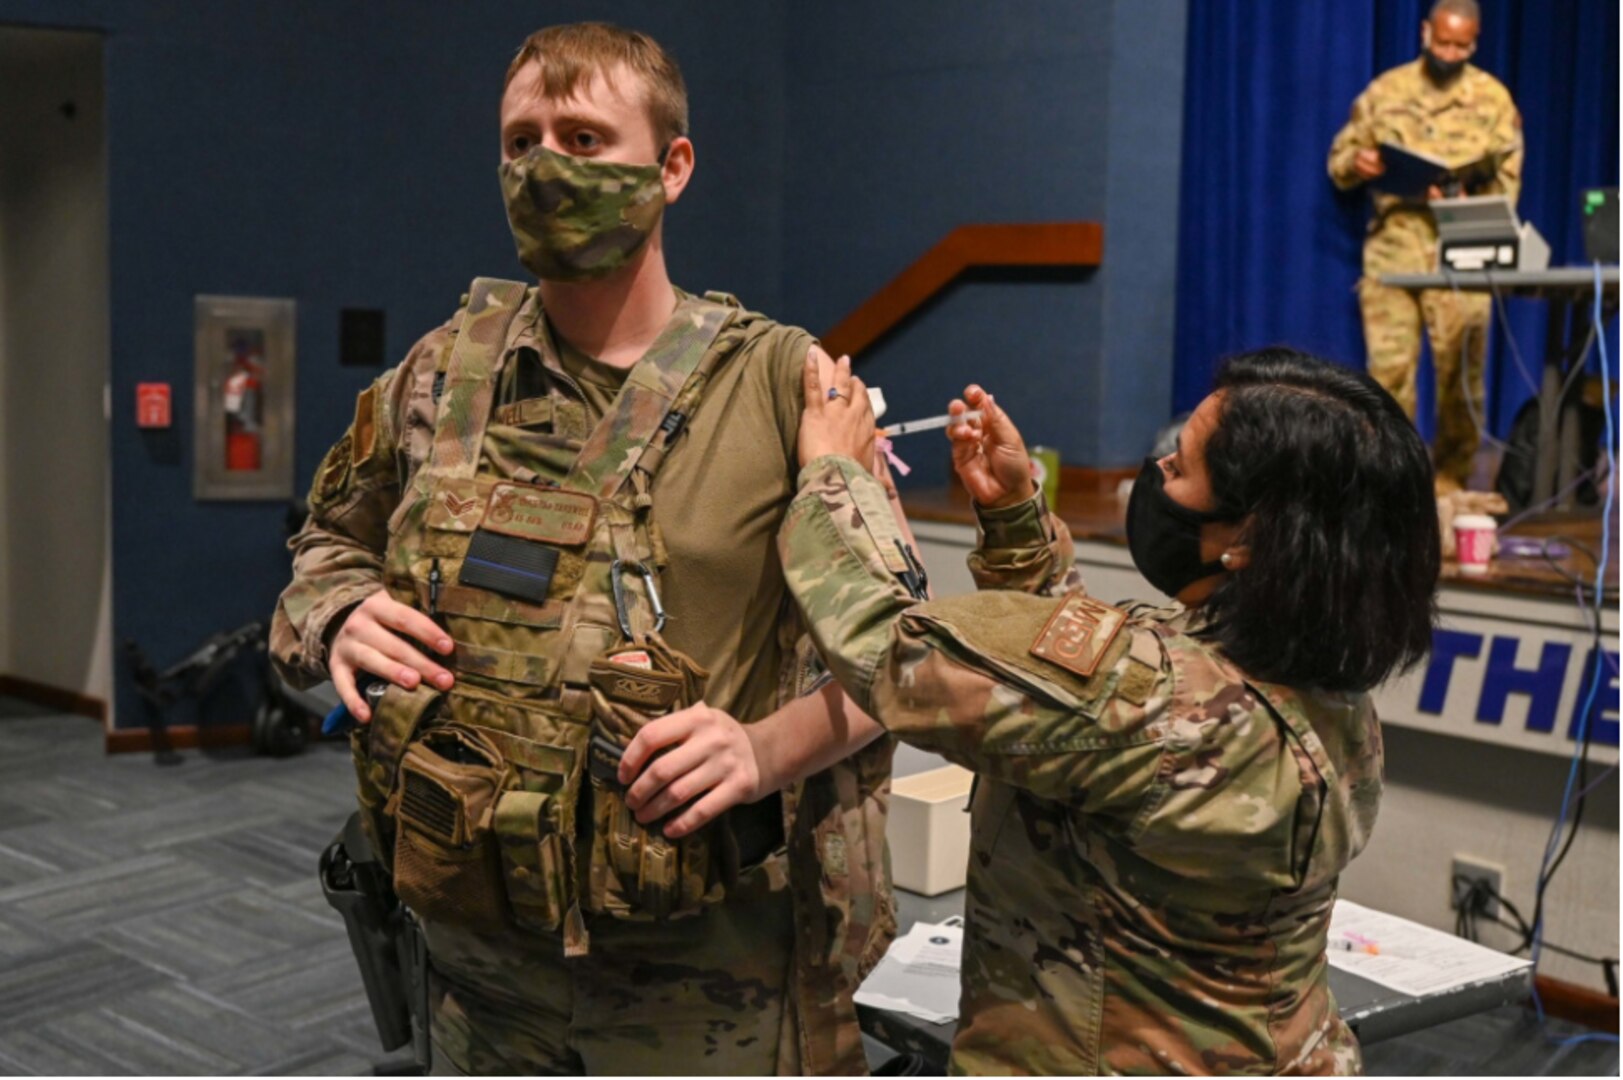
(20,935)
(183,1014)
(167,919)
(65,799)
(30,1052)
(85,901)
(14,815)
(266,855)
(223,935)
(133,1047)
(18,866)
(40,984)
(299,988)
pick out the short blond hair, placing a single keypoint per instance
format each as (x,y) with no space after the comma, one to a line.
(574,52)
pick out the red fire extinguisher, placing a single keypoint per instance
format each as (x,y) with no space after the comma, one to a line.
(244,429)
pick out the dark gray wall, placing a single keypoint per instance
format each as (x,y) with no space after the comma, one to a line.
(914,116)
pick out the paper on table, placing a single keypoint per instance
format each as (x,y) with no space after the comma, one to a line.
(1413,959)
(918,975)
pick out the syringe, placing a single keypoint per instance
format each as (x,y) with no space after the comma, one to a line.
(932,423)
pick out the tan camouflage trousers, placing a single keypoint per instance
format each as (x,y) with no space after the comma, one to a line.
(704,995)
(1457,324)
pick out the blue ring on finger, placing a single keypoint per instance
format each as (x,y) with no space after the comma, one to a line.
(833,393)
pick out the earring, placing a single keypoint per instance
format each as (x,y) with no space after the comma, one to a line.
(1226,558)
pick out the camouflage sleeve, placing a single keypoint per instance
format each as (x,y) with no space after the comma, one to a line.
(966,677)
(1357,134)
(338,555)
(1025,548)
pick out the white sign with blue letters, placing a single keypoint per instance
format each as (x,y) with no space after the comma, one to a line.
(1513,669)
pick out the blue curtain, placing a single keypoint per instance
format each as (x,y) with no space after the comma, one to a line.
(1269,251)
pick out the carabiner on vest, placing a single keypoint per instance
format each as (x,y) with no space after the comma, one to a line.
(617,572)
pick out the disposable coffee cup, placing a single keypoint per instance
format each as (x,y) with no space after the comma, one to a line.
(1473,540)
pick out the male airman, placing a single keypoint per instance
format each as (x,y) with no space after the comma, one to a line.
(1440,105)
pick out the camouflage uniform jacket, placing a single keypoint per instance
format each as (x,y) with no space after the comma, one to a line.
(1469,118)
(1156,836)
(834,821)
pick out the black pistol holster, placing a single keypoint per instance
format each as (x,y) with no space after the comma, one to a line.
(388,944)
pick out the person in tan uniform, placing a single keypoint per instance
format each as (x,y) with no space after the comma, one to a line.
(551,531)
(1440,105)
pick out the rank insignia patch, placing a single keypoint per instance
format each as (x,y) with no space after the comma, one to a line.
(458,508)
(1078,633)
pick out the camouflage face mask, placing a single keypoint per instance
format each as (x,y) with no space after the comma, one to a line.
(575,219)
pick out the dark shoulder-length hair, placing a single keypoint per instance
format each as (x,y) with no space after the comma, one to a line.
(1340,590)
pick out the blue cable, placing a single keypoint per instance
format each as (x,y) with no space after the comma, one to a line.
(1594,683)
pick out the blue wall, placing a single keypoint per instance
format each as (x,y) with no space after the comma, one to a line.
(344,154)
(911,117)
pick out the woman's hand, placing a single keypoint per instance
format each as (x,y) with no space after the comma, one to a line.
(838,417)
(988,453)
(706,753)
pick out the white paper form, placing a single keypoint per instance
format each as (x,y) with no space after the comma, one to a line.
(919,974)
(1411,959)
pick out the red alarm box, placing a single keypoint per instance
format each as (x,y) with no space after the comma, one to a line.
(152,405)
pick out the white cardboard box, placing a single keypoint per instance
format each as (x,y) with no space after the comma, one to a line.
(929,830)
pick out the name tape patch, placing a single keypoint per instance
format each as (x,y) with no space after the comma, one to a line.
(547,515)
(1078,633)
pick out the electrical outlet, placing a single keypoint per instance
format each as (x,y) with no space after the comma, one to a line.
(1468,868)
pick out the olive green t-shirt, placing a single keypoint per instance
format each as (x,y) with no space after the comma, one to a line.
(719,498)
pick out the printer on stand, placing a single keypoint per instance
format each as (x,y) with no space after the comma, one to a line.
(1481,232)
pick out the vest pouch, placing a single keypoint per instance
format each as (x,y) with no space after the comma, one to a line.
(374,823)
(634,871)
(535,828)
(447,864)
(534,862)
(376,749)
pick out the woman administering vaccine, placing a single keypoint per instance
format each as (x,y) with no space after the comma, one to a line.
(1167,794)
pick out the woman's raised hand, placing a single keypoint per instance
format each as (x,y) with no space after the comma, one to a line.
(988,452)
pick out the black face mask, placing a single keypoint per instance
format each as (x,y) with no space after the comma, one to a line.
(1163,536)
(1442,70)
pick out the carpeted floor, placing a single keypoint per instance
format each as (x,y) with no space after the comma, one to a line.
(167,919)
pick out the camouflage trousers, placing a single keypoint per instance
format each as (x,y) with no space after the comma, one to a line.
(1457,324)
(703,995)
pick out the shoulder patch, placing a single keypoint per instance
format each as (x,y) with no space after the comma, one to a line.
(365,429)
(1078,633)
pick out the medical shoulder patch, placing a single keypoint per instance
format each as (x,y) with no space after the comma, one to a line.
(1078,633)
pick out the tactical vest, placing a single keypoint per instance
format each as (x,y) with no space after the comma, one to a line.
(499,798)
